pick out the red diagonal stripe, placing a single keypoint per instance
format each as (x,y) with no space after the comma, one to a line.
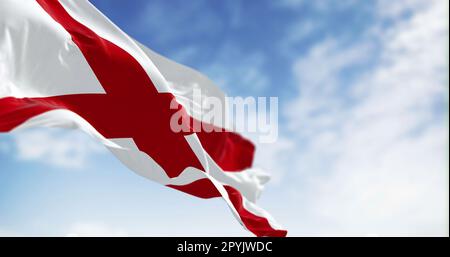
(142,112)
(133,108)
(260,226)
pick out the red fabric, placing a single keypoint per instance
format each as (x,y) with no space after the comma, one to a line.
(258,225)
(133,108)
(202,188)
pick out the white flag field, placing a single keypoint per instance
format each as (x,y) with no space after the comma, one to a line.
(64,64)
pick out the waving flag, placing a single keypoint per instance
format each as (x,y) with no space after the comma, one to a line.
(64,64)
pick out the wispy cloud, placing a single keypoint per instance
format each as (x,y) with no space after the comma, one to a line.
(67,149)
(374,158)
(363,86)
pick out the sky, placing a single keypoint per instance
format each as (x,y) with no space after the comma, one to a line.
(363,124)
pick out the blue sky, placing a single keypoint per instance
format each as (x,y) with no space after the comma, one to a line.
(363,143)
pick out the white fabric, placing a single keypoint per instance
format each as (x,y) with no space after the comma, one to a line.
(182,82)
(38,58)
(84,12)
(37,55)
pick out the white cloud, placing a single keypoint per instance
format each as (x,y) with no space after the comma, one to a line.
(273,159)
(396,9)
(321,89)
(372,153)
(374,150)
(62,148)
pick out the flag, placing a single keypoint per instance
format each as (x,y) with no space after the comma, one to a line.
(64,64)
